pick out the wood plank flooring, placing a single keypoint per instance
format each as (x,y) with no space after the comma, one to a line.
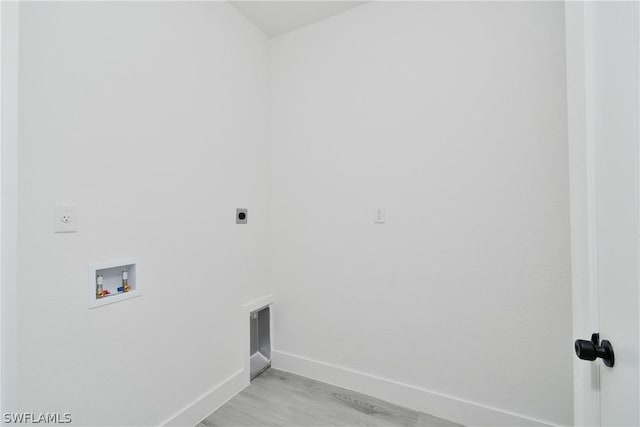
(280,399)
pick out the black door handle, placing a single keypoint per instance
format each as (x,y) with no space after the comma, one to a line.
(591,350)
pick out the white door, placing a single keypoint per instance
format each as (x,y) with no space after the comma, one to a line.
(607,299)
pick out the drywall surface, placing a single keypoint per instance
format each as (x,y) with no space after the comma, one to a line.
(452,117)
(151,118)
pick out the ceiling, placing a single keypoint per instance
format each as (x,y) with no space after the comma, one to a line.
(278,17)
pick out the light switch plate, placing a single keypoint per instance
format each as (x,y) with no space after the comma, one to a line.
(379,215)
(65,218)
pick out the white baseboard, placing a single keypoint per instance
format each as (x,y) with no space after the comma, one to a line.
(210,401)
(448,407)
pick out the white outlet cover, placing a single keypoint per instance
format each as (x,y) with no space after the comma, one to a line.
(65,218)
(379,215)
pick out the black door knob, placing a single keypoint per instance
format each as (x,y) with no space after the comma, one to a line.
(591,350)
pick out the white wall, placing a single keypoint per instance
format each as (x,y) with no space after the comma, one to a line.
(151,117)
(453,117)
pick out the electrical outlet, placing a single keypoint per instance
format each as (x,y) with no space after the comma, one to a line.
(65,218)
(241,215)
(379,215)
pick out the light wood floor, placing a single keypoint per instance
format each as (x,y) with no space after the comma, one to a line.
(278,398)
